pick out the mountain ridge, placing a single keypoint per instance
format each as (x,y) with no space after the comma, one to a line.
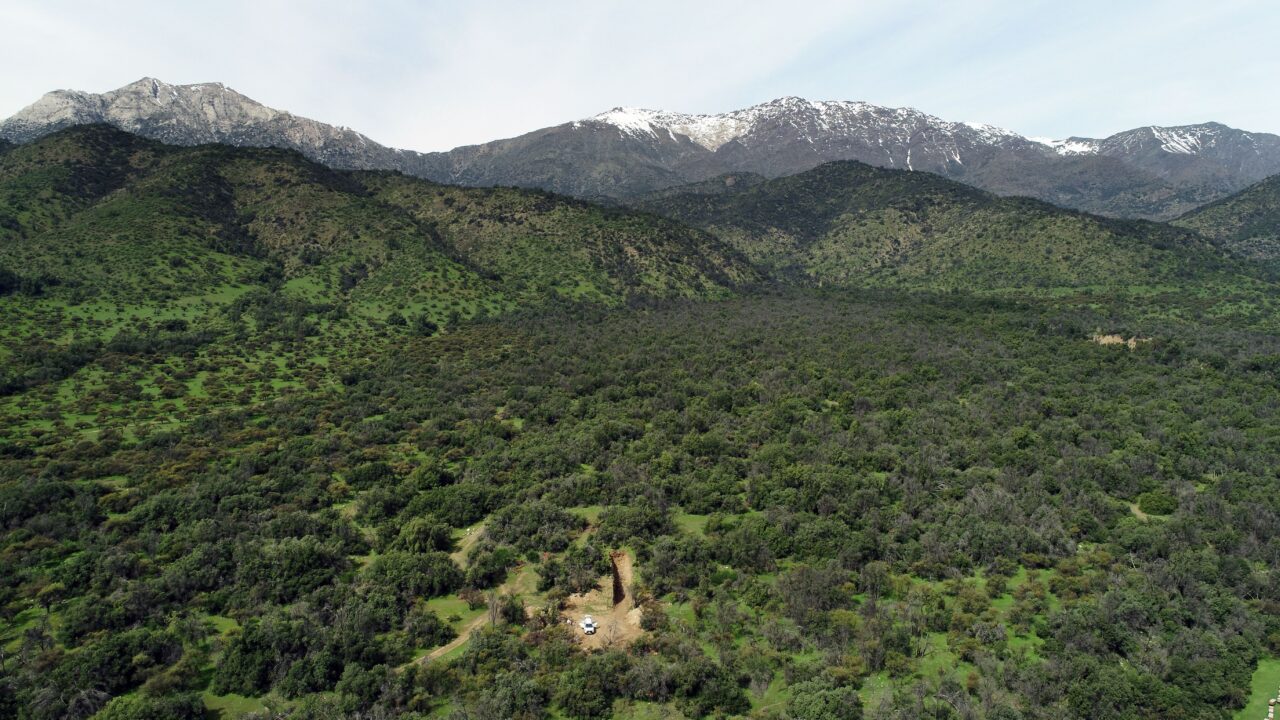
(94,208)
(1153,172)
(196,114)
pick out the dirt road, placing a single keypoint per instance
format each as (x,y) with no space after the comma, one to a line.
(459,641)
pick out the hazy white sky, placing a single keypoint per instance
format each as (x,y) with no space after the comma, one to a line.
(430,75)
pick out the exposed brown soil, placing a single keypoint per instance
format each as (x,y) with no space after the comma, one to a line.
(621,563)
(1131,343)
(614,610)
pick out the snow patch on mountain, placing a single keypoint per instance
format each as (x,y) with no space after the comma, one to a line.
(815,120)
(992,134)
(1070,146)
(709,131)
(1179,141)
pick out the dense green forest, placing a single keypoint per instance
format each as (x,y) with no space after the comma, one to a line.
(1248,222)
(240,477)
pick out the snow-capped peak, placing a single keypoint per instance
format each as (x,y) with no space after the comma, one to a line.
(633,120)
(905,135)
(1070,146)
(1184,140)
(814,118)
(709,131)
(991,133)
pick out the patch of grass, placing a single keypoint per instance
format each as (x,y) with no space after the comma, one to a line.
(1263,688)
(876,688)
(223,624)
(464,540)
(691,524)
(590,513)
(774,697)
(454,606)
(636,710)
(226,707)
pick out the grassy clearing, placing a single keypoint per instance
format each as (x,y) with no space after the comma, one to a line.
(226,707)
(222,624)
(692,524)
(1266,680)
(876,689)
(774,697)
(590,513)
(939,660)
(634,710)
(452,606)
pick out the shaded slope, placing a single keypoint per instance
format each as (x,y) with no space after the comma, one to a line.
(101,211)
(850,223)
(1247,222)
(534,239)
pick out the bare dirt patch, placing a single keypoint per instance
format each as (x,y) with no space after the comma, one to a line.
(612,605)
(1131,343)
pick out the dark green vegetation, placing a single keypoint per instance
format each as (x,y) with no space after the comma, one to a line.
(853,224)
(1248,222)
(935,499)
(240,475)
(100,212)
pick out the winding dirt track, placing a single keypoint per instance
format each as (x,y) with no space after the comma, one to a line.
(457,642)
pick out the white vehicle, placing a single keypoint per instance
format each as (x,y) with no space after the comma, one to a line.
(588,625)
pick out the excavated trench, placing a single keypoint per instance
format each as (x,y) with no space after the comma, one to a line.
(619,588)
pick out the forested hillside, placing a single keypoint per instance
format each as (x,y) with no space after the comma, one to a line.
(852,224)
(95,213)
(1248,221)
(285,442)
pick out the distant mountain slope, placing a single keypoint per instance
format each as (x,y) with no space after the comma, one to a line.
(195,115)
(627,153)
(850,223)
(1150,172)
(96,211)
(726,184)
(1248,222)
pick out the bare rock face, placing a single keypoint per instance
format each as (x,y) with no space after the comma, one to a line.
(627,153)
(197,114)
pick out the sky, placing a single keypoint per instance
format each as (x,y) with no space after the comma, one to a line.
(432,75)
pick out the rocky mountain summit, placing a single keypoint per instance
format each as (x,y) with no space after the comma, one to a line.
(194,115)
(627,153)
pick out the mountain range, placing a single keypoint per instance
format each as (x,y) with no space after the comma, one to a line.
(626,153)
(92,212)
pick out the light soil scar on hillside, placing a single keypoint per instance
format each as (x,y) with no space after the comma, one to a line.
(611,604)
(1132,343)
